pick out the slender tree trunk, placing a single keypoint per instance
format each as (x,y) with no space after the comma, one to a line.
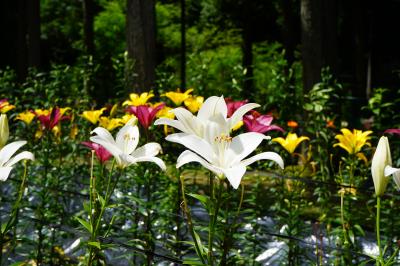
(247,50)
(319,39)
(33,30)
(22,63)
(289,30)
(183,45)
(88,32)
(311,39)
(141,42)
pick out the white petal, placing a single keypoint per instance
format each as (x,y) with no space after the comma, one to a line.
(127,138)
(273,156)
(380,160)
(189,156)
(194,143)
(170,122)
(235,174)
(213,105)
(7,151)
(4,173)
(240,112)
(396,174)
(25,155)
(190,123)
(103,134)
(112,148)
(149,149)
(155,160)
(244,144)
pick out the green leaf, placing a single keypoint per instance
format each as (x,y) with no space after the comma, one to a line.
(359,229)
(205,200)
(3,228)
(102,201)
(192,261)
(201,247)
(95,244)
(85,224)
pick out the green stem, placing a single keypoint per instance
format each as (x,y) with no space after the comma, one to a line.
(378,236)
(189,222)
(213,221)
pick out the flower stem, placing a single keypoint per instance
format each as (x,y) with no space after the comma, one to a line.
(189,222)
(378,236)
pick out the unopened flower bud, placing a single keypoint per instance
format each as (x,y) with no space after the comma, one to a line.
(4,131)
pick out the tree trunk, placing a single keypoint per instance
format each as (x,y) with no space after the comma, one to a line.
(21,41)
(33,30)
(247,50)
(88,32)
(183,46)
(289,31)
(141,42)
(319,39)
(311,40)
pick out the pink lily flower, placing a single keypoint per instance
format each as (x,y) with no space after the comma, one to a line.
(51,120)
(393,131)
(145,114)
(101,153)
(255,122)
(234,105)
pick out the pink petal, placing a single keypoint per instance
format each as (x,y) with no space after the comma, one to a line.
(393,131)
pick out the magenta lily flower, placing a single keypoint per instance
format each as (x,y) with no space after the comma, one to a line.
(51,120)
(255,122)
(101,153)
(145,114)
(234,105)
(393,131)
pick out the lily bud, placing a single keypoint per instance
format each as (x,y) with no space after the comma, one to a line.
(380,160)
(4,131)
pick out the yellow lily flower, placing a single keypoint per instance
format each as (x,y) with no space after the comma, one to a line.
(291,141)
(64,110)
(5,106)
(352,142)
(125,119)
(194,103)
(57,132)
(39,112)
(74,131)
(93,116)
(177,97)
(114,110)
(26,117)
(110,124)
(165,113)
(136,99)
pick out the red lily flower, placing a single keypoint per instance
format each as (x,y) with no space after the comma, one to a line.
(145,114)
(255,122)
(234,105)
(101,153)
(51,120)
(393,131)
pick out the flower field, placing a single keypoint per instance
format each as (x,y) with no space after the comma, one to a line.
(178,178)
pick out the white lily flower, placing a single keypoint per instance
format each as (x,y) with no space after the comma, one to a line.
(6,162)
(396,174)
(214,108)
(123,148)
(224,156)
(380,161)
